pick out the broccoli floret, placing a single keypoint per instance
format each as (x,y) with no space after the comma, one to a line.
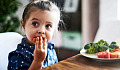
(114,46)
(91,48)
(87,46)
(113,42)
(103,48)
(111,50)
(102,43)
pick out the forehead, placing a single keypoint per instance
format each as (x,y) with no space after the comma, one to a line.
(46,15)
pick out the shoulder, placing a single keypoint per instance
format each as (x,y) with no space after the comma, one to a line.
(20,53)
(19,59)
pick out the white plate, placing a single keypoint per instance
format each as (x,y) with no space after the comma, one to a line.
(94,56)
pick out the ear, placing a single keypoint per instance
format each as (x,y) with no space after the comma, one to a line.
(23,25)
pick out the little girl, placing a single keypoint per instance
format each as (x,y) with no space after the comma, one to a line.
(39,20)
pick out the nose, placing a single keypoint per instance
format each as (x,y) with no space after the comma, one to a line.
(41,30)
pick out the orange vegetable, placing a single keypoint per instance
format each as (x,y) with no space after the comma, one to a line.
(114,55)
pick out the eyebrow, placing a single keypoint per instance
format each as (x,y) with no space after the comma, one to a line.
(34,19)
(49,22)
(37,19)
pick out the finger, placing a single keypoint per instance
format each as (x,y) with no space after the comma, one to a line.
(40,42)
(37,43)
(45,43)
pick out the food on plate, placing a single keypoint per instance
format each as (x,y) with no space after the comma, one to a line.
(114,55)
(102,42)
(104,54)
(99,46)
(102,45)
(107,54)
(101,54)
(103,50)
(116,50)
(91,48)
(114,42)
(113,46)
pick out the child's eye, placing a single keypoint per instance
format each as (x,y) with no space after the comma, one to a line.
(35,23)
(48,25)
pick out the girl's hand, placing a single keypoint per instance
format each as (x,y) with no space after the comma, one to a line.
(40,51)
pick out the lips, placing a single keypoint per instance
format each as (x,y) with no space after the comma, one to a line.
(34,39)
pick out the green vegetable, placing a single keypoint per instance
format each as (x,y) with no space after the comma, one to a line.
(91,48)
(103,48)
(102,45)
(102,42)
(113,42)
(111,50)
(113,46)
(99,46)
(87,46)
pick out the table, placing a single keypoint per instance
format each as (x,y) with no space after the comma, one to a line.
(79,62)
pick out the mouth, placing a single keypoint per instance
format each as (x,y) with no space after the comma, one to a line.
(34,39)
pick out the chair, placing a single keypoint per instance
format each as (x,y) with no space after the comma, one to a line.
(8,43)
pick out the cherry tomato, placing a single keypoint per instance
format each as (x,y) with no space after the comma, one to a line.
(34,40)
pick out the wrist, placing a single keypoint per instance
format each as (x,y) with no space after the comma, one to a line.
(38,61)
(36,65)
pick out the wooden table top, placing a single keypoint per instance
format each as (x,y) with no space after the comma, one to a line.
(79,62)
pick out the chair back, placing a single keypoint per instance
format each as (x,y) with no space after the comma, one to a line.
(8,43)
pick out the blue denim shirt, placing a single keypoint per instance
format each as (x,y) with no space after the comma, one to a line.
(22,57)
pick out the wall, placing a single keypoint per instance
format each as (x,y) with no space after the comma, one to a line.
(109,27)
(21,8)
(20,12)
(90,20)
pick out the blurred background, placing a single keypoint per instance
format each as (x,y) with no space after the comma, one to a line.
(85,21)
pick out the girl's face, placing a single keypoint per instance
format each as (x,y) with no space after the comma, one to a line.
(40,23)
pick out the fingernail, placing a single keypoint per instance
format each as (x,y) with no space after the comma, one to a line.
(41,38)
(37,38)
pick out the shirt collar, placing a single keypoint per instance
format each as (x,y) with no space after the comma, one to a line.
(50,45)
(27,46)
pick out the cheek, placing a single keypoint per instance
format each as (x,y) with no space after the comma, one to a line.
(49,36)
(29,34)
